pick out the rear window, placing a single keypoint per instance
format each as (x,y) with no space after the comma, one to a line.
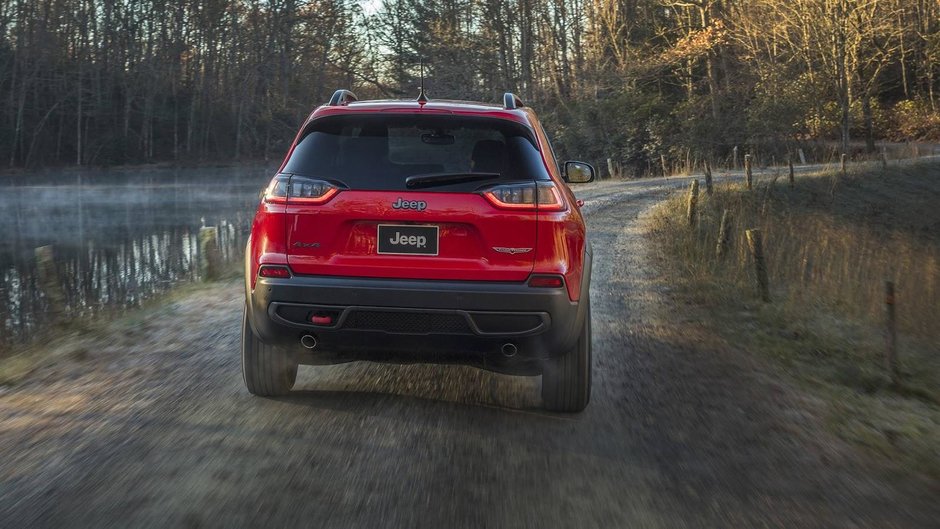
(379,152)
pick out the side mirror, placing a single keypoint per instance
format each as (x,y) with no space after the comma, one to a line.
(579,172)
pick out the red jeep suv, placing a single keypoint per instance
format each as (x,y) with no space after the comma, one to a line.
(421,231)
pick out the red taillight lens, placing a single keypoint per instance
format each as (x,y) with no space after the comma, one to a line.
(299,190)
(276,192)
(281,272)
(546,282)
(531,196)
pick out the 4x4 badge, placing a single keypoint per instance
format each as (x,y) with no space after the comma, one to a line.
(511,251)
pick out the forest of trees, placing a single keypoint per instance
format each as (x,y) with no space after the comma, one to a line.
(104,82)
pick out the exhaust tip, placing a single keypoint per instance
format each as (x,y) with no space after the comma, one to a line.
(509,349)
(309,341)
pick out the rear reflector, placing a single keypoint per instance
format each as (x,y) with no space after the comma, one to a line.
(274,271)
(546,282)
(321,320)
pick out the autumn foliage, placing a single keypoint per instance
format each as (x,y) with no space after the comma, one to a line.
(113,81)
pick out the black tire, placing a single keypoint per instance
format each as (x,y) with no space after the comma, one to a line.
(566,380)
(268,371)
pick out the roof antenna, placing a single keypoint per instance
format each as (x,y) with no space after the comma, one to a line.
(422,97)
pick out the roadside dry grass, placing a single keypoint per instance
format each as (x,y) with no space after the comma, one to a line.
(830,243)
(72,338)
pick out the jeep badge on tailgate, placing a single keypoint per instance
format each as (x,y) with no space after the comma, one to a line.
(418,205)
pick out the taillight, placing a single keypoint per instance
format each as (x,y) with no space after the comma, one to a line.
(299,189)
(277,190)
(531,196)
(280,272)
(546,282)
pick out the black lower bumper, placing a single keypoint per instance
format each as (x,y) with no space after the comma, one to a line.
(421,321)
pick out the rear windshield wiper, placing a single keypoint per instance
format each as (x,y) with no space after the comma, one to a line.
(421,181)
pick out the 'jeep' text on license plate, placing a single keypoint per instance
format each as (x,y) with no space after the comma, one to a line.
(407,239)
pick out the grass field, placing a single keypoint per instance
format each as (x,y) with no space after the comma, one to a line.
(831,242)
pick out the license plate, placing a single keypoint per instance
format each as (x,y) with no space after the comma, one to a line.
(408,239)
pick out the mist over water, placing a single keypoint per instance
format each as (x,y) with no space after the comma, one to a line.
(119,236)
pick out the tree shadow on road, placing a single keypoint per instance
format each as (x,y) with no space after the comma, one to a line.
(415,402)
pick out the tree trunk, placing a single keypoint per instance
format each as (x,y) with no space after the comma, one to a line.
(869,122)
(842,72)
(711,68)
(78,118)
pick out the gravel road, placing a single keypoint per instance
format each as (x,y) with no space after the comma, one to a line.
(153,428)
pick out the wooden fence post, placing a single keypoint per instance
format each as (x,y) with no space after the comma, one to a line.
(808,271)
(844,160)
(662,158)
(748,175)
(891,335)
(724,234)
(233,244)
(884,157)
(756,245)
(708,177)
(693,202)
(210,256)
(768,195)
(49,283)
(735,162)
(790,166)
(610,167)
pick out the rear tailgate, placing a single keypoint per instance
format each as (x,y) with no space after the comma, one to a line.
(464,237)
(372,224)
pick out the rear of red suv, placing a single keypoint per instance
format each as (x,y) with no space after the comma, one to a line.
(414,231)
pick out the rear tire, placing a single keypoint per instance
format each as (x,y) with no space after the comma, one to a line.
(566,380)
(268,371)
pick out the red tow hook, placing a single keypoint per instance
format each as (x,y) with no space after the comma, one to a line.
(321,320)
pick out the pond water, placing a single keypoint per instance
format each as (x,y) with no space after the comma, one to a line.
(118,236)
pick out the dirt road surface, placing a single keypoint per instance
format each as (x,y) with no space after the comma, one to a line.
(153,428)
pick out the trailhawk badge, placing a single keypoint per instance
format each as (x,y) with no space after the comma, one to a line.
(511,251)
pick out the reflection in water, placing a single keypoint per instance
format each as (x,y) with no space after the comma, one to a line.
(119,237)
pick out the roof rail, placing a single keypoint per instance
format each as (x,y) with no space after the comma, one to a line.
(511,101)
(342,97)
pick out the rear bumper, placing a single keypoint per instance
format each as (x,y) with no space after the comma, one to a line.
(421,321)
